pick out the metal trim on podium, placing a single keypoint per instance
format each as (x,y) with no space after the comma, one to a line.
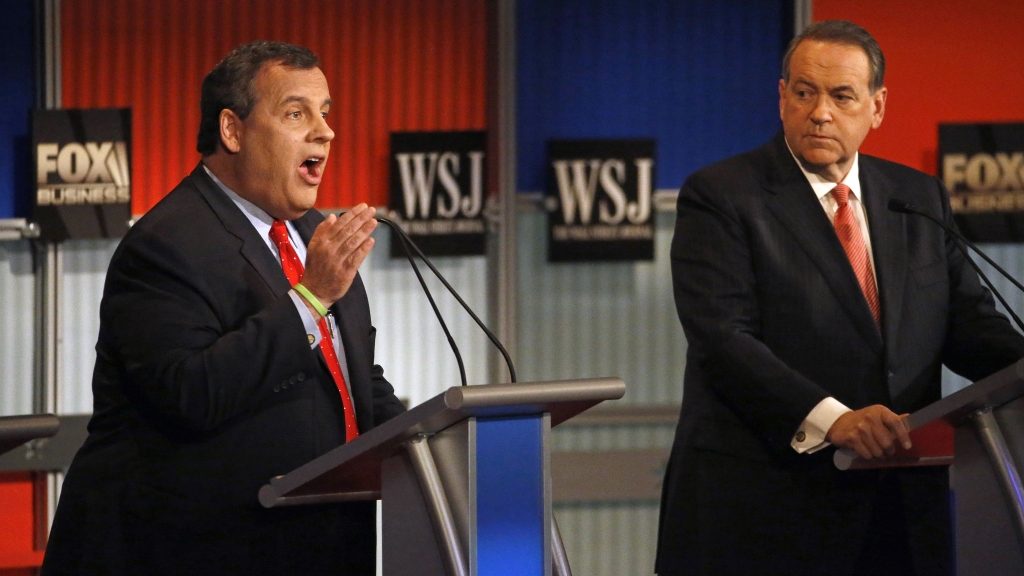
(464,478)
(17,430)
(987,422)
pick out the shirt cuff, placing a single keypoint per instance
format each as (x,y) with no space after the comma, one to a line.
(312,330)
(810,436)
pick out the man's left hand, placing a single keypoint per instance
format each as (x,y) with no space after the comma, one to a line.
(872,432)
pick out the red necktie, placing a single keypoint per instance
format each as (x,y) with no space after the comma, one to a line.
(853,242)
(294,270)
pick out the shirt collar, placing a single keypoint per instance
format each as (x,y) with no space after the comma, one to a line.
(256,215)
(823,187)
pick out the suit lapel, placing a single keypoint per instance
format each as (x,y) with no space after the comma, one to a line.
(888,244)
(254,249)
(794,204)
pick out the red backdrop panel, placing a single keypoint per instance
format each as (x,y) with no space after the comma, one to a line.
(946,61)
(17,525)
(391,65)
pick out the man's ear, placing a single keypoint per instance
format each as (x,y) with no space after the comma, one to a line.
(231,129)
(878,104)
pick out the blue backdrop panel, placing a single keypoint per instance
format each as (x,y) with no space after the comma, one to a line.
(700,76)
(510,496)
(16,94)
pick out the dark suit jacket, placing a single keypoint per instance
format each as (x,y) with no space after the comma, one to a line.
(776,322)
(205,387)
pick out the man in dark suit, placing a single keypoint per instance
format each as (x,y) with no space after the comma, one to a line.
(214,373)
(816,317)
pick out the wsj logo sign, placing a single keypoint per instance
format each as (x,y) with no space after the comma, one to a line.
(82,172)
(599,198)
(421,172)
(437,190)
(77,173)
(577,189)
(982,165)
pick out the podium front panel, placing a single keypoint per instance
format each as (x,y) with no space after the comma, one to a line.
(513,527)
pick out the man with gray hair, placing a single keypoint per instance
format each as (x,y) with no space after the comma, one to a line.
(816,318)
(235,345)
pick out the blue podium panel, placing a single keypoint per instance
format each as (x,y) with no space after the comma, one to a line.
(512,526)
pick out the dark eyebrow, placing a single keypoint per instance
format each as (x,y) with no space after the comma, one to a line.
(303,100)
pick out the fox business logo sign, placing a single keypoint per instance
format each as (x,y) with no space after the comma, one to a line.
(437,191)
(89,173)
(599,200)
(82,172)
(982,166)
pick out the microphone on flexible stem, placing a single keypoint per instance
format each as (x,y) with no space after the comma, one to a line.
(904,207)
(408,244)
(430,297)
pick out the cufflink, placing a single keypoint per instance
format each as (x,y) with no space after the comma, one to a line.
(310,338)
(800,436)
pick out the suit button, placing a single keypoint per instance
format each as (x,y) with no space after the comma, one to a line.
(800,436)
(891,375)
(293,380)
(310,338)
(284,385)
(277,388)
(301,376)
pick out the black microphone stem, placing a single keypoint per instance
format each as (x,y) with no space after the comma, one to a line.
(490,335)
(423,283)
(972,247)
(962,243)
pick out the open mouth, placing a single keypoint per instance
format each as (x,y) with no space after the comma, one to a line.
(312,169)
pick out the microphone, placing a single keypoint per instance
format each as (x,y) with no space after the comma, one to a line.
(904,207)
(430,298)
(408,244)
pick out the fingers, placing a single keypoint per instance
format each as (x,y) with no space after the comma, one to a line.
(351,230)
(357,220)
(899,429)
(872,432)
(337,250)
(359,253)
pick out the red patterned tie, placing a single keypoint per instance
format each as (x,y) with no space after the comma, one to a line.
(853,242)
(294,270)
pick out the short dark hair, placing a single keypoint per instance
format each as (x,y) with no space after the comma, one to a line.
(841,32)
(231,84)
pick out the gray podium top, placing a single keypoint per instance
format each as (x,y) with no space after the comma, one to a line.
(16,430)
(993,391)
(354,469)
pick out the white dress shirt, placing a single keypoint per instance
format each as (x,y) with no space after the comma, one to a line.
(810,435)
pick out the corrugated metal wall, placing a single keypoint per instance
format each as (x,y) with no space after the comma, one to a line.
(17,327)
(85,268)
(396,65)
(600,319)
(410,344)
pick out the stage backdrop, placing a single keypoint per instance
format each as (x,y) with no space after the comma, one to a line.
(947,61)
(392,66)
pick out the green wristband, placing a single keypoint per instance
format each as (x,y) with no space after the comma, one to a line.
(311,299)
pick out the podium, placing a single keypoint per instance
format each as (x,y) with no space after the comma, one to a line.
(980,431)
(17,430)
(464,478)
